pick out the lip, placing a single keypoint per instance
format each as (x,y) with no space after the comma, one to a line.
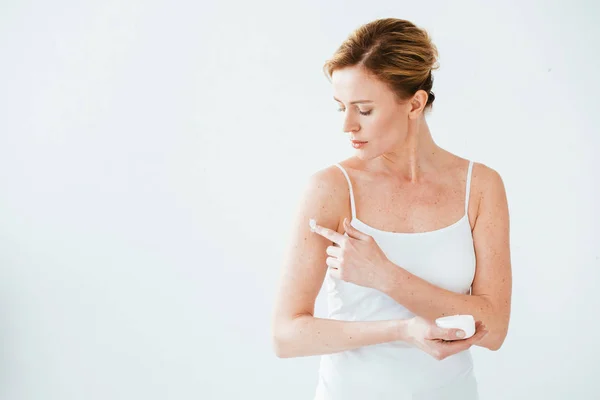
(357,144)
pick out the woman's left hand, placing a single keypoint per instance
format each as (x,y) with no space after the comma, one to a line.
(357,258)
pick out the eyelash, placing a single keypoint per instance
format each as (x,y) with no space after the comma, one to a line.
(362,113)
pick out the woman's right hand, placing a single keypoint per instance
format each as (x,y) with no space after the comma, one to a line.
(440,342)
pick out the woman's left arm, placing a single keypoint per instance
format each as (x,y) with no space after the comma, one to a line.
(490,298)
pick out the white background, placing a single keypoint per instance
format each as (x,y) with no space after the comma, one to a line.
(151,157)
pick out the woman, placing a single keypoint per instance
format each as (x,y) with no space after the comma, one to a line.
(406,232)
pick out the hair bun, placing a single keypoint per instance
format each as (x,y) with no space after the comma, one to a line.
(396,51)
(431,97)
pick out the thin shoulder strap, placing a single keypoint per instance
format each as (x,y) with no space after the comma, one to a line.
(351,192)
(468,187)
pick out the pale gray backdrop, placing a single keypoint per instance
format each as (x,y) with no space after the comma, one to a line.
(152,153)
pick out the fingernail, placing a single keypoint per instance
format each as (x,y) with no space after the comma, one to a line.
(460,334)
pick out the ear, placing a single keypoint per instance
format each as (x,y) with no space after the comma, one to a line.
(418,103)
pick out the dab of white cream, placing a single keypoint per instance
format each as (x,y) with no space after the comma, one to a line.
(463,322)
(312,223)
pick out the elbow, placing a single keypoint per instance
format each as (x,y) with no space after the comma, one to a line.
(280,352)
(280,341)
(495,346)
(279,347)
(496,341)
(499,329)
(287,339)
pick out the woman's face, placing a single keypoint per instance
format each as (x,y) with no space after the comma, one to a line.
(379,120)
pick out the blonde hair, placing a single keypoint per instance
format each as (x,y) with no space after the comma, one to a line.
(395,51)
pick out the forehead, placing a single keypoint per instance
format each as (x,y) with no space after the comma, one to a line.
(353,83)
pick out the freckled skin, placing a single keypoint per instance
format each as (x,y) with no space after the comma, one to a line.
(405,182)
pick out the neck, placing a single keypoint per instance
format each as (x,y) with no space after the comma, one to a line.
(413,157)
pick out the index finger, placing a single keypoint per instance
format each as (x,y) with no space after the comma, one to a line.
(330,234)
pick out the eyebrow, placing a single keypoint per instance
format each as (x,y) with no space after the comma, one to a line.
(356,101)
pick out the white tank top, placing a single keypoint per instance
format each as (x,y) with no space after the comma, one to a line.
(444,257)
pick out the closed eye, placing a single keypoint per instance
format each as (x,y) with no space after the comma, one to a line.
(362,113)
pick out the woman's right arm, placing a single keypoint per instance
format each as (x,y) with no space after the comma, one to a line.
(296,332)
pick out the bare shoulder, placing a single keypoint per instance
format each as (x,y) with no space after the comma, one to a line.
(326,193)
(483,177)
(489,187)
(329,184)
(486,178)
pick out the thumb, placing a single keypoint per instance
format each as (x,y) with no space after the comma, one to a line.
(446,333)
(353,232)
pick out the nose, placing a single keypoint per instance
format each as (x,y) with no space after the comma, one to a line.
(350,124)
